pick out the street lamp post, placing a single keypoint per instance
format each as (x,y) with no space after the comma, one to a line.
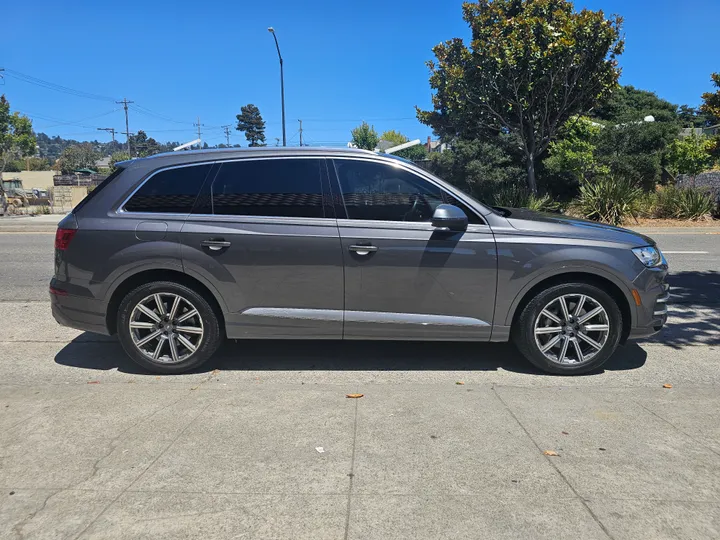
(282,83)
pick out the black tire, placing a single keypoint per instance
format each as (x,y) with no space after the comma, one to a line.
(523,332)
(207,345)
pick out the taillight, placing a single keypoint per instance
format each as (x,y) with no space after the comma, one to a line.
(63,238)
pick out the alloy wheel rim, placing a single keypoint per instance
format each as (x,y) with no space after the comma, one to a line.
(572,329)
(166,328)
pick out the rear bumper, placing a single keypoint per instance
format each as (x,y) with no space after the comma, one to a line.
(79,312)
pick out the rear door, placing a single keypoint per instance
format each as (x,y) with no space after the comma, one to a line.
(265,236)
(405,279)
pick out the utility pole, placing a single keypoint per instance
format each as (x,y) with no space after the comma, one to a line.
(198,124)
(301,141)
(227,134)
(111,130)
(125,103)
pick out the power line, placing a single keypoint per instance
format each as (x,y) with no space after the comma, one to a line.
(227,133)
(56,87)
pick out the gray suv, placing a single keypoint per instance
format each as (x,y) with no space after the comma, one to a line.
(178,251)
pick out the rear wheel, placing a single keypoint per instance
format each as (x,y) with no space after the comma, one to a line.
(569,329)
(167,327)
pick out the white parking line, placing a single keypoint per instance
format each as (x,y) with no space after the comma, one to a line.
(685,252)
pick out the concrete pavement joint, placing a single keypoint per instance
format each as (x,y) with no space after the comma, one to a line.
(351,475)
(668,422)
(146,468)
(553,465)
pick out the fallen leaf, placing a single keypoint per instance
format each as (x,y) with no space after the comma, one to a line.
(215,371)
(667,385)
(194,388)
(354,396)
(320,449)
(551,453)
(93,382)
(564,433)
(459,382)
(603,449)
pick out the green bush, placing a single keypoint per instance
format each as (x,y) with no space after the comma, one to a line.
(683,203)
(609,199)
(513,195)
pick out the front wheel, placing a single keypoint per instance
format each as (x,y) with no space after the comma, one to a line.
(167,327)
(569,329)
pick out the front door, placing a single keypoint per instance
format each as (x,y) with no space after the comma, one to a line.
(263,234)
(405,279)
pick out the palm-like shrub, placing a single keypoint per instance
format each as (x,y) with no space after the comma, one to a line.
(608,199)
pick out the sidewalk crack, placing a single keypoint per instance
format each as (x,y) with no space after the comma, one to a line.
(553,465)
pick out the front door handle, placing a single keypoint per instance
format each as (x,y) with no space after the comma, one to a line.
(363,250)
(215,245)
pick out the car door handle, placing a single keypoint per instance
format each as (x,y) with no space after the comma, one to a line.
(363,250)
(215,245)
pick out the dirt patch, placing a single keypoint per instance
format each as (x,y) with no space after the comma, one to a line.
(649,222)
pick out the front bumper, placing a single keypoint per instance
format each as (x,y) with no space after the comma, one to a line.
(654,296)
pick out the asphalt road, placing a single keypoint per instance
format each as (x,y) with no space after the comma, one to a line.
(457,441)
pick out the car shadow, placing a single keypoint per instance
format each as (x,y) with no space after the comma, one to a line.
(694,310)
(280,355)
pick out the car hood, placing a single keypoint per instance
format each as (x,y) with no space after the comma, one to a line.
(566,227)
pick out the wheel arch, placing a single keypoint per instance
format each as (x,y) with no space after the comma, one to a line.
(622,298)
(128,283)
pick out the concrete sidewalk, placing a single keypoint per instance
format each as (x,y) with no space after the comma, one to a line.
(93,447)
(30,224)
(211,460)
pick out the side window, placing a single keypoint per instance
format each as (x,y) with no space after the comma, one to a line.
(268,187)
(172,191)
(379,191)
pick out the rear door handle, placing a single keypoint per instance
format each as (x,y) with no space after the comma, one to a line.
(363,250)
(215,245)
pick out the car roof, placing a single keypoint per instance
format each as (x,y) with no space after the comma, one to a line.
(189,156)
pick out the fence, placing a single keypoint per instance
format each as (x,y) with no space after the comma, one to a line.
(78,180)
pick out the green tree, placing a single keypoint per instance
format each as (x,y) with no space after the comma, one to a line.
(364,136)
(630,147)
(118,156)
(79,156)
(711,100)
(691,155)
(575,151)
(250,121)
(16,136)
(144,146)
(413,153)
(531,65)
(479,167)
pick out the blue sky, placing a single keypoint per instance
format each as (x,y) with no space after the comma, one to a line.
(344,61)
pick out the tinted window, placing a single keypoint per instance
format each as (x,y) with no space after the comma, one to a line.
(268,187)
(170,191)
(380,191)
(102,185)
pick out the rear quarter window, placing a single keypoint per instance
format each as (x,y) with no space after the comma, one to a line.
(169,191)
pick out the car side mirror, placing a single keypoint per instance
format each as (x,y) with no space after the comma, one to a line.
(449,217)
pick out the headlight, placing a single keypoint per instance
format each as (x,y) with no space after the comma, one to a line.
(649,256)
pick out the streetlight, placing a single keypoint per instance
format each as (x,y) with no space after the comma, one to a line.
(282,82)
